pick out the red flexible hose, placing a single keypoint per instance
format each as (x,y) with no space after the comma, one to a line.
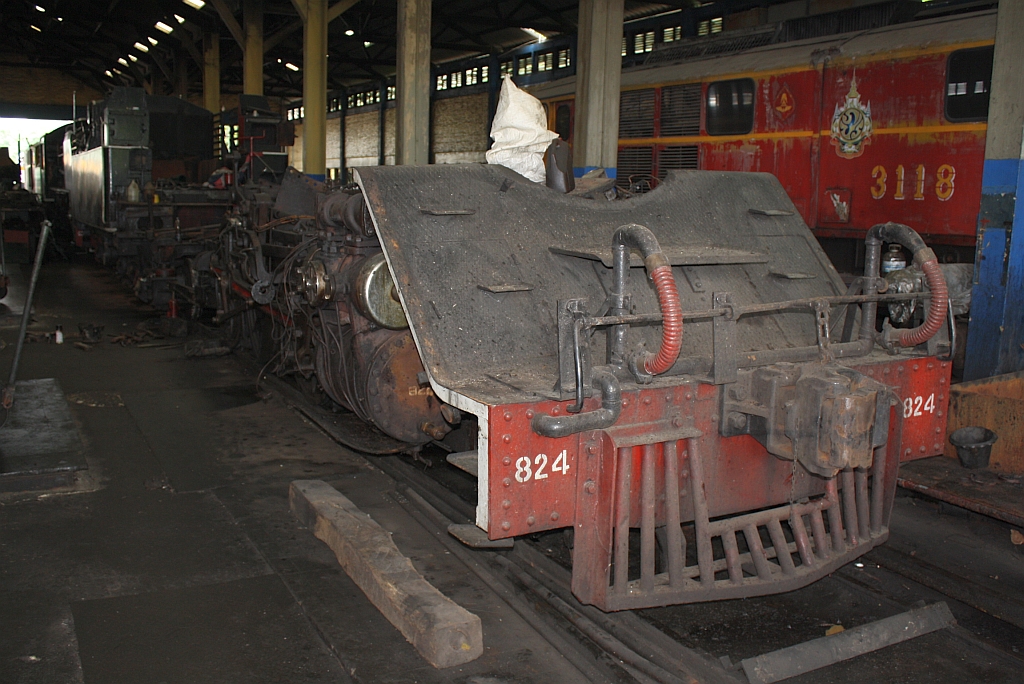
(936,312)
(672,323)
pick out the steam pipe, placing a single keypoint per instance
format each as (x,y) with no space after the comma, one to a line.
(620,271)
(869,310)
(604,417)
(658,268)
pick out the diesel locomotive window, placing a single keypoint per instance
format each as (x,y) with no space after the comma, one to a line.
(729,107)
(968,81)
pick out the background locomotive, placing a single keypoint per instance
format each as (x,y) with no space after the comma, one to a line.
(885,124)
(131,179)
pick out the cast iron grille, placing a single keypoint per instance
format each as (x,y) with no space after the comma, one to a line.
(843,21)
(635,168)
(680,110)
(696,48)
(677,157)
(636,114)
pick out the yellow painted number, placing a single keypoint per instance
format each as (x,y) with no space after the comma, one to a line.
(944,184)
(878,189)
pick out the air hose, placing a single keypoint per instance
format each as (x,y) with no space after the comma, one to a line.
(658,268)
(925,259)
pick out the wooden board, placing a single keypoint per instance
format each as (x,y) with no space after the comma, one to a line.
(444,633)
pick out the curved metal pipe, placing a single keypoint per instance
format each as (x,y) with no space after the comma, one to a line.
(563,426)
(640,238)
(658,268)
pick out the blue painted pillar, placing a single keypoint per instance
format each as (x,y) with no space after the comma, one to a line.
(996,333)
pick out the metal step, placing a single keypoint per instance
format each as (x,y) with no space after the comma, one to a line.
(474,537)
(465,460)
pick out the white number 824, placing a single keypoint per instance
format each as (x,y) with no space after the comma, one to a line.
(524,467)
(917,406)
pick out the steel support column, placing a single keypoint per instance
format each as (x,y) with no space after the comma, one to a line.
(382,118)
(341,136)
(181,74)
(997,304)
(314,90)
(252,71)
(598,71)
(412,121)
(211,71)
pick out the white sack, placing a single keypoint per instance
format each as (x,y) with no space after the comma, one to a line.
(520,132)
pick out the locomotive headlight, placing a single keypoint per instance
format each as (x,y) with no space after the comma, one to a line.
(317,285)
(376,295)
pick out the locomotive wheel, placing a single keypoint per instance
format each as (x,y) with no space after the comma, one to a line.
(397,403)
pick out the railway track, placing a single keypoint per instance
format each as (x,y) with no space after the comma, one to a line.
(673,645)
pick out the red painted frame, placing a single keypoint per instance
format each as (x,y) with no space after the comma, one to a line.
(745,476)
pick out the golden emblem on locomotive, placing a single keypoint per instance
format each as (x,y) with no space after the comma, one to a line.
(851,125)
(784,103)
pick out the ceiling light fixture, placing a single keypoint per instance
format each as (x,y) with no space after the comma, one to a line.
(536,34)
(367,43)
(107,72)
(350,32)
(181,19)
(152,40)
(122,61)
(163,27)
(116,71)
(198,4)
(133,57)
(37,28)
(141,48)
(291,66)
(40,9)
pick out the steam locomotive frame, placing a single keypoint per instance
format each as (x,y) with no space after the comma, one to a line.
(752,455)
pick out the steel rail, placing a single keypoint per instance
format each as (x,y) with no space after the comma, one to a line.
(435,507)
(527,569)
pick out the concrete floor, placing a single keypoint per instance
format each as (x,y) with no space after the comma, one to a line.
(176,559)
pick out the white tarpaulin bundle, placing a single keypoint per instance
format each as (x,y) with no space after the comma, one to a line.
(520,132)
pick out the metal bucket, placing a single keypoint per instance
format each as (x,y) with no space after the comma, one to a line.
(973,445)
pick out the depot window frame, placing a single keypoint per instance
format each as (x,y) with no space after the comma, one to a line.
(735,117)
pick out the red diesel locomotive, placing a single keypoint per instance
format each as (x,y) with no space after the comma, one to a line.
(860,128)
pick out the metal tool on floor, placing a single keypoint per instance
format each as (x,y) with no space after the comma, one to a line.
(818,653)
(7,396)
